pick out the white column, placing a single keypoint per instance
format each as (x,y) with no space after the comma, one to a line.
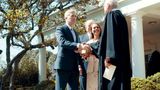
(138,61)
(42,63)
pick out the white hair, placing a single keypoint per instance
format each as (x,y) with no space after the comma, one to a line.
(112,3)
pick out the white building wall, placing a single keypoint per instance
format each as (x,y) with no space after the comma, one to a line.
(128,8)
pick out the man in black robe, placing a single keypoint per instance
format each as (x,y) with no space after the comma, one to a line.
(114,49)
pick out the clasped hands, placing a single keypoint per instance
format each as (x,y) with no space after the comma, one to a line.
(84,50)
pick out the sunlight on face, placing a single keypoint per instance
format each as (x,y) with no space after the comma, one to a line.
(96,29)
(71,17)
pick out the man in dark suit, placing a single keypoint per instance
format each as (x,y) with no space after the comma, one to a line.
(66,64)
(84,38)
(114,49)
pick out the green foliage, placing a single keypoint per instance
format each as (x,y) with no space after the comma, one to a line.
(45,85)
(150,83)
(142,84)
(155,78)
(1,72)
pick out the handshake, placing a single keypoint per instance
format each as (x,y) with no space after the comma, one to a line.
(84,50)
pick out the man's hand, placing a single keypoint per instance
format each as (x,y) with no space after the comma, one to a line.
(80,70)
(107,62)
(79,48)
(86,51)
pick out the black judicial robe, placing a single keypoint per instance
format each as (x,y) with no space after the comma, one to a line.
(114,43)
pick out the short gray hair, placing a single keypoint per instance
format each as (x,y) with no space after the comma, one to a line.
(71,10)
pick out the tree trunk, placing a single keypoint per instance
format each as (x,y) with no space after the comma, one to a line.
(12,78)
(16,61)
(9,72)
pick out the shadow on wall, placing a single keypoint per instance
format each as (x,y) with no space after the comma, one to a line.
(1,51)
(153,63)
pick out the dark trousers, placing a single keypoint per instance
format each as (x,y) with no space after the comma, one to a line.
(82,80)
(66,77)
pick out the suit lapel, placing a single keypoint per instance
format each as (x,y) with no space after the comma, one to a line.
(68,32)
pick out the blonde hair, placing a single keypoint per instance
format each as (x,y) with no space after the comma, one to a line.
(71,10)
(88,22)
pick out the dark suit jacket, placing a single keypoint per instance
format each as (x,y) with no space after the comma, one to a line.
(66,59)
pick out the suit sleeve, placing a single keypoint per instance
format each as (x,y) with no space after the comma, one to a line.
(62,41)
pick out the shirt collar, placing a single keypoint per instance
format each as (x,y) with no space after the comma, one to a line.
(69,26)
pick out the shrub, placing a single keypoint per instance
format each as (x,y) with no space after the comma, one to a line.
(156,79)
(27,74)
(142,84)
(150,83)
(2,72)
(45,85)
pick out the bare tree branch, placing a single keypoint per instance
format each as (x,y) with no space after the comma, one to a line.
(1,9)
